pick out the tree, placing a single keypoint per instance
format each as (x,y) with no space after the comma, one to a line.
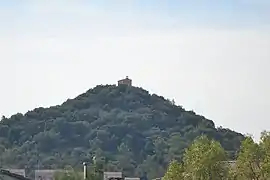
(232,174)
(265,148)
(68,174)
(204,159)
(248,164)
(174,172)
(93,173)
(253,161)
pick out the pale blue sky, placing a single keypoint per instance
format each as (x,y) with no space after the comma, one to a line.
(210,56)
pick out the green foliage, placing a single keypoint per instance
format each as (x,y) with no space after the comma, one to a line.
(93,173)
(265,148)
(249,160)
(126,128)
(174,172)
(232,174)
(204,159)
(69,175)
(253,161)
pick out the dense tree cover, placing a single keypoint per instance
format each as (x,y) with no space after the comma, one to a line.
(206,159)
(126,128)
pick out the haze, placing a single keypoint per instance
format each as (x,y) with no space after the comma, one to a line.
(208,56)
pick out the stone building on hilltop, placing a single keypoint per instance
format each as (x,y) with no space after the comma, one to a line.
(125,81)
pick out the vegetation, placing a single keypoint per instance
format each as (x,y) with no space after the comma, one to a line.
(254,161)
(206,159)
(68,174)
(125,128)
(95,172)
(175,171)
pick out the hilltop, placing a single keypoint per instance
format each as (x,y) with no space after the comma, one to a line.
(125,127)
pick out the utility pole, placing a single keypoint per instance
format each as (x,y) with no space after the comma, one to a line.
(84,170)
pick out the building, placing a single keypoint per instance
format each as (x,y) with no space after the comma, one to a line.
(17,171)
(108,175)
(132,178)
(125,81)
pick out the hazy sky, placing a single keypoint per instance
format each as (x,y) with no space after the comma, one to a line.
(210,56)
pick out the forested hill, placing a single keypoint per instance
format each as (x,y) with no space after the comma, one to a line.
(126,128)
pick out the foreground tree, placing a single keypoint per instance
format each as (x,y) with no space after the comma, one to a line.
(248,164)
(204,159)
(174,172)
(253,161)
(265,148)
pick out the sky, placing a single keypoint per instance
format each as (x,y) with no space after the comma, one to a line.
(210,56)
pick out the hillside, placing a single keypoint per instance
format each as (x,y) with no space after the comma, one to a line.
(126,128)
